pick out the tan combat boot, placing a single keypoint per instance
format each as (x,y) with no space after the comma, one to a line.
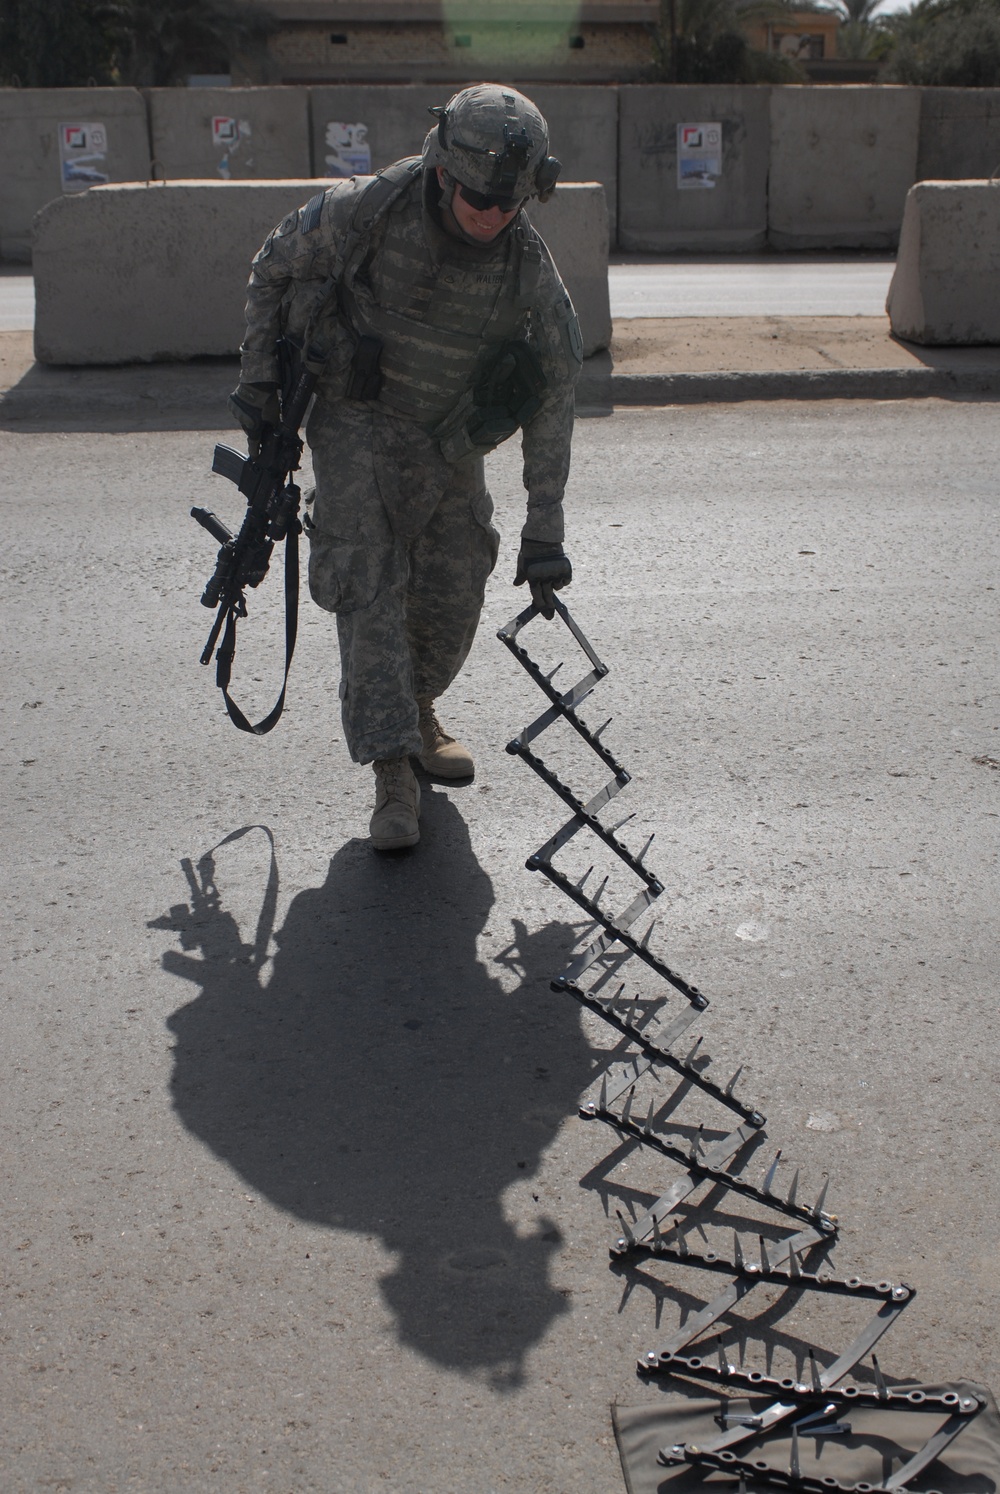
(397,805)
(442,755)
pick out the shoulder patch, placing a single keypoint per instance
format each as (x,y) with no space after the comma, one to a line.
(312,212)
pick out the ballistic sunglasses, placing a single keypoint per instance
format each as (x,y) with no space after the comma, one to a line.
(483,201)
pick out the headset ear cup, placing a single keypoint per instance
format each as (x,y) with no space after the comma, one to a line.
(546,177)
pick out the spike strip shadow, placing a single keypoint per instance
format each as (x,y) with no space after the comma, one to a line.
(656,1235)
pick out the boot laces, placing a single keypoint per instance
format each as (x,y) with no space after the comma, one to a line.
(430,727)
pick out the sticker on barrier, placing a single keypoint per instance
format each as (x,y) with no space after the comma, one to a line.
(699,155)
(83,152)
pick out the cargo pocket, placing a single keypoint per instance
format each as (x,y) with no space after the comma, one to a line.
(346,569)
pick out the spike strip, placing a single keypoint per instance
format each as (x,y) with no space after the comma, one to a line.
(649,1235)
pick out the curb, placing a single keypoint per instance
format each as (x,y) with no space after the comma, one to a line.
(193,396)
(601,387)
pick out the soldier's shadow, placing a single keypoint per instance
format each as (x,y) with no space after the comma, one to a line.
(382,1080)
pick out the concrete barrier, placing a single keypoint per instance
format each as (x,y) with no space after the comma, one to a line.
(362,127)
(574,225)
(655,212)
(108,141)
(842,161)
(959,134)
(229,133)
(143,273)
(946,285)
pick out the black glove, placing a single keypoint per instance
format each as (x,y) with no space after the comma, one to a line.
(546,569)
(255,407)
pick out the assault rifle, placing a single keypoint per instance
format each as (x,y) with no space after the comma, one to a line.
(265,480)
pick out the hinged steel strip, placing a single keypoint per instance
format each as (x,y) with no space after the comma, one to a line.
(723,1303)
(651,1221)
(659,1054)
(786,1276)
(825,1223)
(781,1410)
(842,1398)
(582,813)
(793,1478)
(618,933)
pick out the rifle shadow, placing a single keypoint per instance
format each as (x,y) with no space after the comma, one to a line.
(383,1081)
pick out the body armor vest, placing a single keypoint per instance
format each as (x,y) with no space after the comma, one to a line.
(440,325)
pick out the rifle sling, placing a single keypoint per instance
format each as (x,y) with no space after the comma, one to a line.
(227,648)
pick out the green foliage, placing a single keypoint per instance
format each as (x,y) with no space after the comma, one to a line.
(58,43)
(149,43)
(704,41)
(947,43)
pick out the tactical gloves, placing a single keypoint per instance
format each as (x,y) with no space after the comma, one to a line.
(254,407)
(546,569)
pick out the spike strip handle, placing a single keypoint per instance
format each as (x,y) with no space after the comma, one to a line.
(659,1054)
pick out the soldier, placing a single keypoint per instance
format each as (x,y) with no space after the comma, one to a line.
(447,329)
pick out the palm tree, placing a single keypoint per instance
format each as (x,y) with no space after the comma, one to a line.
(705,41)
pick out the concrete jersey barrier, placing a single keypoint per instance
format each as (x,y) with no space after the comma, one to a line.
(946,285)
(692,168)
(228,134)
(842,161)
(58,140)
(144,273)
(959,134)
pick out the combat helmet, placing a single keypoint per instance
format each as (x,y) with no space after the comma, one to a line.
(494,141)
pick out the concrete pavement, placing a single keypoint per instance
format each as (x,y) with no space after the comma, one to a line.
(295,1195)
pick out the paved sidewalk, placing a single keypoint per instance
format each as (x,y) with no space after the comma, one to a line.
(675,360)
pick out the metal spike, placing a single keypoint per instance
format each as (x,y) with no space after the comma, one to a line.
(693,1051)
(738,1255)
(880,1385)
(657,1236)
(771,1172)
(724,1364)
(552,673)
(597,895)
(732,1083)
(793,1467)
(817,1207)
(696,1147)
(616,828)
(630,1014)
(596,734)
(682,1245)
(645,938)
(627,1107)
(793,1190)
(617,993)
(604,1092)
(647,1124)
(646,847)
(765,1259)
(817,1383)
(626,1227)
(585,876)
(794,1268)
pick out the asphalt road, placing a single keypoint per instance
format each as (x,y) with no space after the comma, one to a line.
(295,1193)
(771,285)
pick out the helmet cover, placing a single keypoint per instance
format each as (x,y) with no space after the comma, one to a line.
(493,140)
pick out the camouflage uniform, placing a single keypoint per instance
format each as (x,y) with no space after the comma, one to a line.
(401,539)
